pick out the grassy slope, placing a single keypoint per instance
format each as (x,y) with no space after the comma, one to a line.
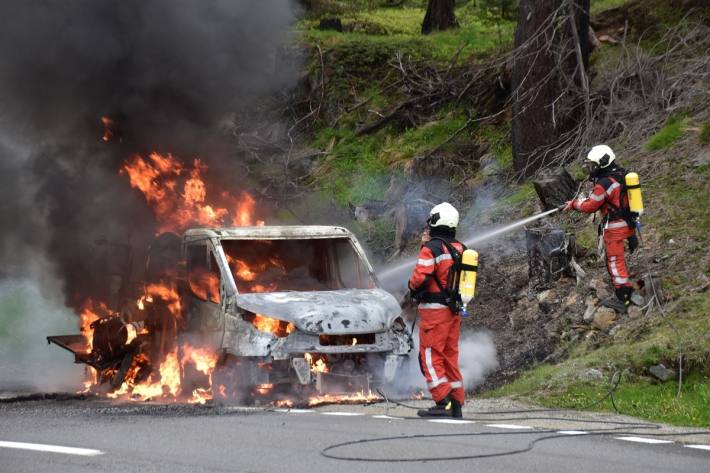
(675,195)
(358,69)
(677,230)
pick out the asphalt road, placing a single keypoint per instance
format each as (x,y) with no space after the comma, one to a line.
(178,438)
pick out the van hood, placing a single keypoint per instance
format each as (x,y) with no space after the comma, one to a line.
(341,312)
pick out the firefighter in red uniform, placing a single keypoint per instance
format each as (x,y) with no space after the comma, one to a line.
(439,322)
(617,225)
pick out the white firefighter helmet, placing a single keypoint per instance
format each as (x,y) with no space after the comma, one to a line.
(443,215)
(601,155)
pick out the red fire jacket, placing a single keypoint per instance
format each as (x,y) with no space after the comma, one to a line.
(434,258)
(606,197)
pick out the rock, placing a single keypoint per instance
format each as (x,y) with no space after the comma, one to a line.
(544,296)
(589,311)
(701,159)
(572,299)
(592,374)
(605,38)
(369,210)
(661,372)
(489,165)
(634,312)
(599,287)
(603,318)
(547,301)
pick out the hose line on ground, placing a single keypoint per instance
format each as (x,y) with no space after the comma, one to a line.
(623,429)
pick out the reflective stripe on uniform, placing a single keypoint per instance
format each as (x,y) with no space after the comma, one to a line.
(615,272)
(432,305)
(442,257)
(425,262)
(439,381)
(617,224)
(597,198)
(430,368)
(456,384)
(611,188)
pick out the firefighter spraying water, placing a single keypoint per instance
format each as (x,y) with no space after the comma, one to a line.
(617,195)
(440,272)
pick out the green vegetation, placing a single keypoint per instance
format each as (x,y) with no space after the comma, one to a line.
(704,137)
(357,166)
(353,172)
(597,6)
(671,132)
(402,26)
(498,136)
(640,397)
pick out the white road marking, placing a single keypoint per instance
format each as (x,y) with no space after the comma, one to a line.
(38,447)
(643,440)
(509,426)
(572,432)
(699,447)
(337,413)
(451,421)
(386,417)
(295,411)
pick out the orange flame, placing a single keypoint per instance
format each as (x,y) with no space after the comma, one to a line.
(317,363)
(360,397)
(280,328)
(203,359)
(175,209)
(204,284)
(167,293)
(108,132)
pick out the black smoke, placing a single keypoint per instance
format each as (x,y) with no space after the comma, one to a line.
(169,73)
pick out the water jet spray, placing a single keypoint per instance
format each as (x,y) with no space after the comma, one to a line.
(390,273)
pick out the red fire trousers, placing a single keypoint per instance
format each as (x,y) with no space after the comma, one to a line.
(439,331)
(614,236)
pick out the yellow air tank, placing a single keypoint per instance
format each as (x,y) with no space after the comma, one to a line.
(633,190)
(467,282)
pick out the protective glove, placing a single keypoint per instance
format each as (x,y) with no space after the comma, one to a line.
(407,300)
(569,205)
(633,243)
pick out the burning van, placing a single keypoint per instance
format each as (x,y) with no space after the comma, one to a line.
(249,311)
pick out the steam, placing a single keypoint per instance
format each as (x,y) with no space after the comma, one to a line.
(477,358)
(169,74)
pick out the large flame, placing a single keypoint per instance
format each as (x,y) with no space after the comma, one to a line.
(179,197)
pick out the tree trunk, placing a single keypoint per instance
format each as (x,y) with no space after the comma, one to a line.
(555,187)
(546,79)
(439,16)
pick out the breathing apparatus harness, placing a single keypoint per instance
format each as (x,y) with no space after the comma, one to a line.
(448,294)
(623,211)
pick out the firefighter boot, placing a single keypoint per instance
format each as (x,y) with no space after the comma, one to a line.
(622,300)
(440,409)
(614,303)
(456,409)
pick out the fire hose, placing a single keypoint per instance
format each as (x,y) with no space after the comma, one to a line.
(624,428)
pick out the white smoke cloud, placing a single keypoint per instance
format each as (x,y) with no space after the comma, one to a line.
(27,316)
(477,358)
